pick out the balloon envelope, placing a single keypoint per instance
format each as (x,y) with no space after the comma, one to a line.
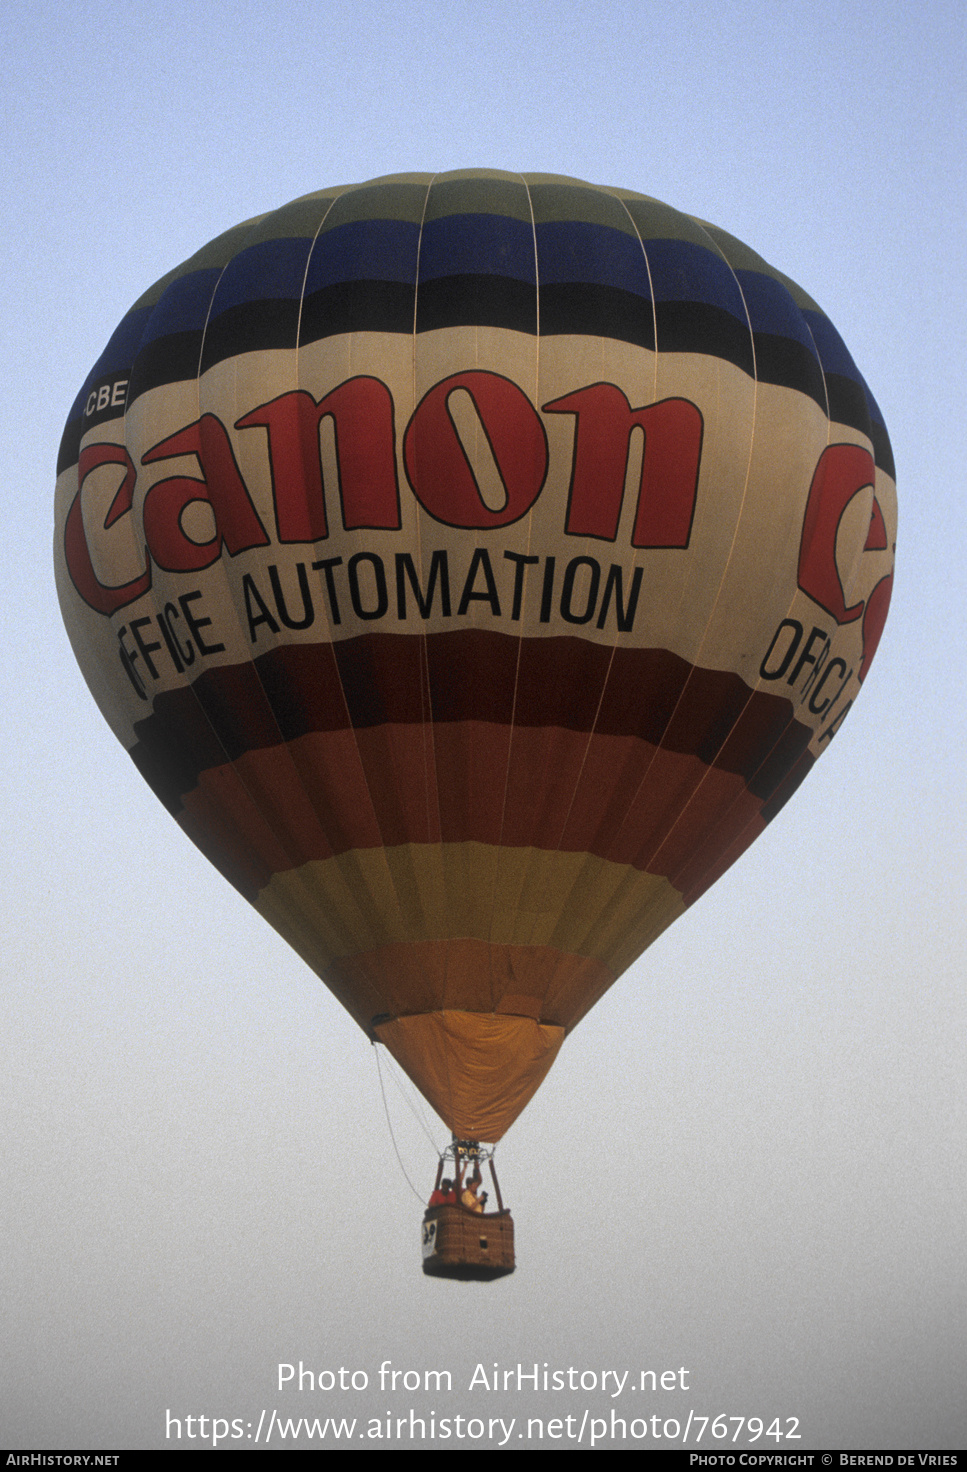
(474,564)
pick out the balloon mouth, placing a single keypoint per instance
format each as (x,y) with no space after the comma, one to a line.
(477,1070)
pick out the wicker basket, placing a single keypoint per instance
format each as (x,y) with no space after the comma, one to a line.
(470,1245)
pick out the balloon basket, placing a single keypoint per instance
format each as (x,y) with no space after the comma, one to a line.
(468,1245)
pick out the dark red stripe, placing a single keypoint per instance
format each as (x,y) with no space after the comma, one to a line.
(469,675)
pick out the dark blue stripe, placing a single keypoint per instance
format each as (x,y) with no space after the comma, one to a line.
(477,245)
(771,308)
(572,251)
(682,272)
(184,306)
(271,271)
(367,250)
(833,353)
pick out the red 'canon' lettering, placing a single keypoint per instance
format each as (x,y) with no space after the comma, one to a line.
(604,421)
(237,524)
(444,474)
(437,464)
(362,413)
(77,553)
(874,617)
(842,472)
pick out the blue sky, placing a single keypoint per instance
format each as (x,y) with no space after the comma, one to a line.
(749,1159)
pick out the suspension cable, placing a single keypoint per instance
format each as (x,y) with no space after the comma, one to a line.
(379,1071)
(412,1100)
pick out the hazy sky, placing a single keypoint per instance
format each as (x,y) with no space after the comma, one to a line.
(748,1162)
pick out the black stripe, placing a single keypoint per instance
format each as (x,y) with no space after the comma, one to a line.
(596,311)
(250,327)
(847,403)
(477,301)
(698,327)
(171,359)
(882,449)
(789,364)
(357,306)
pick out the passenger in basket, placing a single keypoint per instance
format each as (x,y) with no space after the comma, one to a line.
(444,1195)
(470,1198)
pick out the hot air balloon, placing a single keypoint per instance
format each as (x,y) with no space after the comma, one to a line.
(474,564)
